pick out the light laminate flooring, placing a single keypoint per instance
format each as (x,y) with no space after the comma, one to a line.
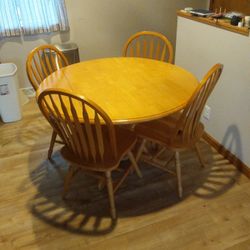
(213,214)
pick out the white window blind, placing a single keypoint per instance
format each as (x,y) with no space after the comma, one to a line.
(30,17)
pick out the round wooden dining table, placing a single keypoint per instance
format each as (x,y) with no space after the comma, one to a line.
(128,89)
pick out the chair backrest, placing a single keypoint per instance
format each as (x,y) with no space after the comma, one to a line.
(69,116)
(149,44)
(187,126)
(42,61)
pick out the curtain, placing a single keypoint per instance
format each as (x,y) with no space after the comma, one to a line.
(9,21)
(30,17)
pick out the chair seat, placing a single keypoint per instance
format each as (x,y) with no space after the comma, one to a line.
(162,130)
(126,140)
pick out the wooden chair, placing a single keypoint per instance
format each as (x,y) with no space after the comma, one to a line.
(149,44)
(41,62)
(96,146)
(182,130)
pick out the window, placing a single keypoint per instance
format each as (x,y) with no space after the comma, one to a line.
(30,17)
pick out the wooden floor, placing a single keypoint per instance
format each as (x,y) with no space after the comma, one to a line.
(214,213)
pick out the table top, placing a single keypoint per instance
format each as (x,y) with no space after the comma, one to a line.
(128,89)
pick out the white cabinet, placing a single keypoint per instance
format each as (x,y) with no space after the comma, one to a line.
(198,47)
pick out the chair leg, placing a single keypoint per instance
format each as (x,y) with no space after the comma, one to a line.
(163,149)
(70,174)
(140,150)
(134,163)
(101,184)
(197,149)
(135,167)
(52,143)
(178,172)
(111,194)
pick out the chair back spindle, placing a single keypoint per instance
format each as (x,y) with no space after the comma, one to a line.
(84,138)
(149,44)
(42,61)
(187,126)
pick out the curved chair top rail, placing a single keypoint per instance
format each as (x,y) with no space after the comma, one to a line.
(86,139)
(42,61)
(149,44)
(190,117)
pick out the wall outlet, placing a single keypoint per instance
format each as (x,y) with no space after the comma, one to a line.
(207,112)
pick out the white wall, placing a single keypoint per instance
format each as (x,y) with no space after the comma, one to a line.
(100,28)
(198,47)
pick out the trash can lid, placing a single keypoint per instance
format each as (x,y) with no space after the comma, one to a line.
(66,46)
(7,69)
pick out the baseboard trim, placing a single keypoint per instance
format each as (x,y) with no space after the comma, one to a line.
(243,168)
